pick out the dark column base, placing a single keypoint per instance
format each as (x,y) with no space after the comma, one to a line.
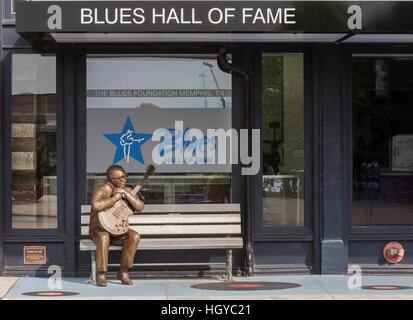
(333,257)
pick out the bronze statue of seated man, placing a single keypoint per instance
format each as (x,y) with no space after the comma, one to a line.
(104,197)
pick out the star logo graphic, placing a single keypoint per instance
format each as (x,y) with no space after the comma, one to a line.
(128,143)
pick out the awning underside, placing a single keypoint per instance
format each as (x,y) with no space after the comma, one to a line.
(66,38)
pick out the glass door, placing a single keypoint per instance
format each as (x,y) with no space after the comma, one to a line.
(283,232)
(283,140)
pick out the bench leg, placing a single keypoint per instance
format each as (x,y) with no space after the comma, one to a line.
(228,276)
(92,278)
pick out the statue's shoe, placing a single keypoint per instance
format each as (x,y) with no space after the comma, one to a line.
(124,277)
(101,279)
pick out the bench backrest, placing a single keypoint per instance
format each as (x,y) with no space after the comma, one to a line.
(184,220)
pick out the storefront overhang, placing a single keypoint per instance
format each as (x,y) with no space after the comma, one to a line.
(215,21)
(193,37)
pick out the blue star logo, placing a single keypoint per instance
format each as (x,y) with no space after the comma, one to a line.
(128,143)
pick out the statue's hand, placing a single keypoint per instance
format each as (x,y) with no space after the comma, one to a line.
(122,191)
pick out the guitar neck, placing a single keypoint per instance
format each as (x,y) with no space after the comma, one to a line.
(139,186)
(149,171)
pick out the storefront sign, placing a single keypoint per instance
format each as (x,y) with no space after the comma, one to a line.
(34,255)
(214,16)
(164,93)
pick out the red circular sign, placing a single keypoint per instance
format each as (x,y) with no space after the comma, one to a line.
(393,252)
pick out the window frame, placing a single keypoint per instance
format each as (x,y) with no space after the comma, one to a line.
(7,183)
(9,16)
(305,232)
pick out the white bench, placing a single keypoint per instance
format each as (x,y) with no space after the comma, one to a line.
(178,226)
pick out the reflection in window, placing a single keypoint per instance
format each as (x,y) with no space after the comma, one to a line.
(129,97)
(13,6)
(283,140)
(181,81)
(33,146)
(382,140)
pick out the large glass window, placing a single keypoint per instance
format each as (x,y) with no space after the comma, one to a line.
(130,97)
(33,145)
(382,140)
(283,139)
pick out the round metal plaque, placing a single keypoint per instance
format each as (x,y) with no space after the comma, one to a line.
(385,287)
(393,252)
(49,293)
(245,286)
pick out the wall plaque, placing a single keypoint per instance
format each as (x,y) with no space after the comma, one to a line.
(34,254)
(23,160)
(23,130)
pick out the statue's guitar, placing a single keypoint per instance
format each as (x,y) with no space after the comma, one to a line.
(115,219)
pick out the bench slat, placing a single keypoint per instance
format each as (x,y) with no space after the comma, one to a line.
(181,229)
(162,244)
(182,208)
(172,218)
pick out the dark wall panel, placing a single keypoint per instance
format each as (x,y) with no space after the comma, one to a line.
(371,252)
(14,259)
(283,253)
(12,39)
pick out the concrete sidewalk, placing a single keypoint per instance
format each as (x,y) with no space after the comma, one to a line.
(6,283)
(311,287)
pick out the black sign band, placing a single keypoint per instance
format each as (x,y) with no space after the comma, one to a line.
(214,16)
